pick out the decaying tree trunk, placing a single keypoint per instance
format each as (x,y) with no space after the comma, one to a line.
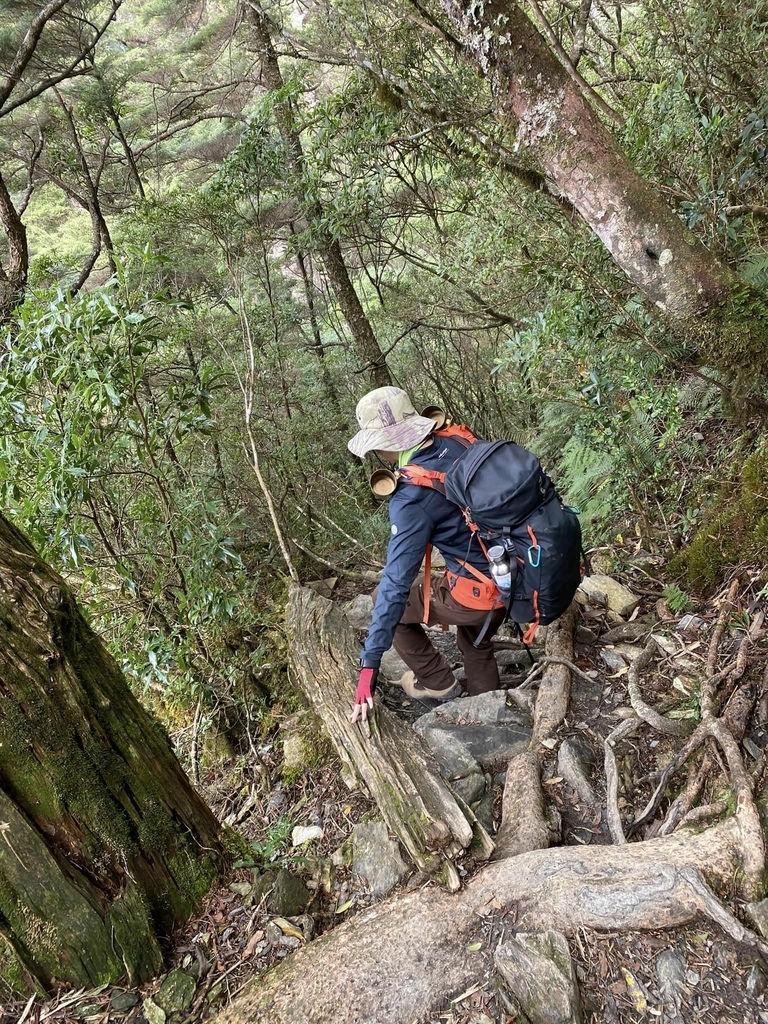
(392,760)
(104,845)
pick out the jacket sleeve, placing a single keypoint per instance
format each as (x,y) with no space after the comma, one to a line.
(410,530)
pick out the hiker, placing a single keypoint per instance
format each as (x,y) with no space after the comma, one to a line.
(420,516)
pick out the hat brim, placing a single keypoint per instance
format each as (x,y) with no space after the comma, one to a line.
(397,438)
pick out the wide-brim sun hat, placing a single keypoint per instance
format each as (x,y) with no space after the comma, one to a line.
(388,422)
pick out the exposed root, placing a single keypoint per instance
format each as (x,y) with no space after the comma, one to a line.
(668,726)
(523,823)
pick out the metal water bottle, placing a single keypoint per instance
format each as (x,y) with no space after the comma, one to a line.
(498,562)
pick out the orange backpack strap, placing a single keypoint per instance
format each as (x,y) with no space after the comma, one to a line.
(457,430)
(427,583)
(413,474)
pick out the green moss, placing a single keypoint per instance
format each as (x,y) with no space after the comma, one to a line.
(11,970)
(194,877)
(155,828)
(736,529)
(734,337)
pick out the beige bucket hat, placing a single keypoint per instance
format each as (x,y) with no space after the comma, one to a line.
(388,422)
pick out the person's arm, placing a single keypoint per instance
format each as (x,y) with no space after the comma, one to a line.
(410,531)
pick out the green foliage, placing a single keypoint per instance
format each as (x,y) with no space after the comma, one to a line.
(108,442)
(679,602)
(269,850)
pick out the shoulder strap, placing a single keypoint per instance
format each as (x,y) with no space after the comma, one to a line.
(458,431)
(413,474)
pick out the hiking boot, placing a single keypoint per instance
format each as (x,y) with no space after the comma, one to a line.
(413,688)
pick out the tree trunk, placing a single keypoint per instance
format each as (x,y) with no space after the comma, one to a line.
(105,844)
(556,124)
(392,760)
(13,278)
(722,321)
(329,248)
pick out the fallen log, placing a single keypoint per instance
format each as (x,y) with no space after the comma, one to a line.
(392,760)
(410,955)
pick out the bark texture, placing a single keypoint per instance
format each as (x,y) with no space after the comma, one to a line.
(395,963)
(105,845)
(554,122)
(393,761)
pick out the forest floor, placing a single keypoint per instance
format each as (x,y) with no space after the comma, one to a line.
(622,978)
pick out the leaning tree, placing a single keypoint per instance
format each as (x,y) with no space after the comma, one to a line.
(548,107)
(105,844)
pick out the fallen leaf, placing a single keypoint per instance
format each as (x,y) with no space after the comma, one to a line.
(473,947)
(634,991)
(555,779)
(253,942)
(345,906)
(289,929)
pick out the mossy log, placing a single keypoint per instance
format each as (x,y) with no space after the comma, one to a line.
(393,762)
(104,844)
(411,955)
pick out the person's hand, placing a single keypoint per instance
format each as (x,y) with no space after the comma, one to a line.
(366,685)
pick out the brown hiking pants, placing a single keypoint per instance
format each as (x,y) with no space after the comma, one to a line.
(430,666)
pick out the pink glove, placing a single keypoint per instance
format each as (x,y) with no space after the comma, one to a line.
(366,685)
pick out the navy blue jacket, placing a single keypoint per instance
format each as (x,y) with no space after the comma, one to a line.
(419,516)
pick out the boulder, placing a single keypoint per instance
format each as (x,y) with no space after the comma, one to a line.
(456,764)
(612,660)
(176,993)
(537,978)
(392,666)
(283,893)
(295,753)
(359,611)
(376,858)
(490,730)
(670,970)
(607,593)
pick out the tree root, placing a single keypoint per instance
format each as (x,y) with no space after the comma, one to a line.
(400,960)
(523,822)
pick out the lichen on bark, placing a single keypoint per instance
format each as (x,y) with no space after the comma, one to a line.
(107,845)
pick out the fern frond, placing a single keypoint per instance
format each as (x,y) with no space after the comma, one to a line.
(754,269)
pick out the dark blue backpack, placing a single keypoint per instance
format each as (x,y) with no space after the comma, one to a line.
(508,499)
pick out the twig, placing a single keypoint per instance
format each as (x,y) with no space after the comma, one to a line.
(544,663)
(319,558)
(194,753)
(584,87)
(27,1008)
(692,744)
